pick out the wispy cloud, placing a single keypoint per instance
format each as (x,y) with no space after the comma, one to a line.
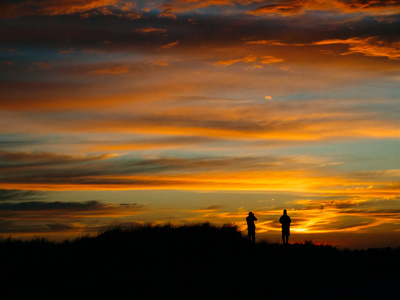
(51,7)
(57,172)
(170,45)
(160,63)
(370,46)
(150,29)
(19,195)
(250,59)
(60,218)
(67,51)
(294,7)
(171,9)
(113,70)
(43,65)
(15,159)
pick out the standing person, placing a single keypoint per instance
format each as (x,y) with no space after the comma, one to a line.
(251,227)
(285,221)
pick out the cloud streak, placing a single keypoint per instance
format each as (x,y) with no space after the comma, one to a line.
(369,46)
(295,7)
(110,71)
(59,218)
(305,121)
(18,195)
(208,173)
(51,7)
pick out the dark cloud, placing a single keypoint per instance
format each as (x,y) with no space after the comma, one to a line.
(41,211)
(213,207)
(207,163)
(17,227)
(284,8)
(57,227)
(375,209)
(173,8)
(59,217)
(337,204)
(8,141)
(207,30)
(55,169)
(29,159)
(366,4)
(128,171)
(57,205)
(14,9)
(381,213)
(19,195)
(294,7)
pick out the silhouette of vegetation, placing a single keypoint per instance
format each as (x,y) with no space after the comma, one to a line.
(191,262)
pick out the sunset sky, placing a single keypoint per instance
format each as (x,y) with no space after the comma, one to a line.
(113,112)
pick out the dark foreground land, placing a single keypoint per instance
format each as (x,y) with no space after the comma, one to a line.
(192,262)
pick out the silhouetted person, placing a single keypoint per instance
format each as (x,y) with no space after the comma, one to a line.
(251,227)
(285,221)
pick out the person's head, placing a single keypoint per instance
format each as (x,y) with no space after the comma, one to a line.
(284,212)
(250,214)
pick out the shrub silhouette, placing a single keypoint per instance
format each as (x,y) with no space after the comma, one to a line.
(190,262)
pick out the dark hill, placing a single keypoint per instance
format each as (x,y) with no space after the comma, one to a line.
(191,262)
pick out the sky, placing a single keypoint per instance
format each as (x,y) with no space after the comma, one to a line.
(135,112)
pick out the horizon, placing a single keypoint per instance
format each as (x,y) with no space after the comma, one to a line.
(116,112)
(350,241)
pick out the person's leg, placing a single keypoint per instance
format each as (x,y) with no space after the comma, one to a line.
(285,238)
(251,236)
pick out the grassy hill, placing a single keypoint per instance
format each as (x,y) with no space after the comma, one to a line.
(191,262)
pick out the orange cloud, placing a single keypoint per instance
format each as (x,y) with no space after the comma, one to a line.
(266,60)
(106,11)
(228,62)
(306,220)
(373,7)
(51,7)
(297,7)
(43,65)
(307,121)
(370,46)
(67,51)
(170,45)
(60,219)
(288,9)
(151,29)
(305,175)
(249,59)
(114,70)
(171,8)
(181,6)
(160,63)
(166,13)
(266,42)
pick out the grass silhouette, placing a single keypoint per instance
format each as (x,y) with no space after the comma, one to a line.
(199,261)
